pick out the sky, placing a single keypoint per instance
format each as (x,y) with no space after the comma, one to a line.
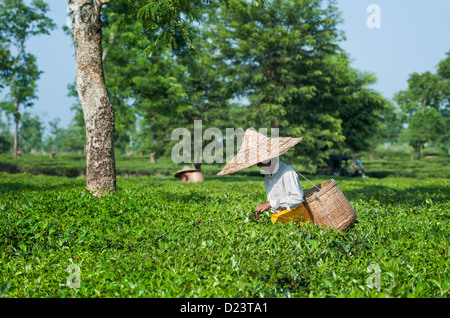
(413,36)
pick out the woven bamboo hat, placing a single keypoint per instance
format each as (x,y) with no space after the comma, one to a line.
(185,169)
(257,148)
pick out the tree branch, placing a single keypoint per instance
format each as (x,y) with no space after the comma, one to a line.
(98,4)
(102,2)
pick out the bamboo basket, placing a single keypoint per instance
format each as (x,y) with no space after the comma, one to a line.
(327,206)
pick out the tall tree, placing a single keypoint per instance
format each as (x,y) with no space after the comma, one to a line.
(69,140)
(196,91)
(93,95)
(50,142)
(209,91)
(169,18)
(137,82)
(31,133)
(285,58)
(5,64)
(390,126)
(443,72)
(19,23)
(422,104)
(5,135)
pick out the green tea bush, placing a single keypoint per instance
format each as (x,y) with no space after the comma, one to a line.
(395,151)
(158,237)
(66,165)
(393,167)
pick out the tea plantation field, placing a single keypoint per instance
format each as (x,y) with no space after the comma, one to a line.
(158,237)
(71,165)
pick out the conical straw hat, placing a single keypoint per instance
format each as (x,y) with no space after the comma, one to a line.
(256,148)
(185,169)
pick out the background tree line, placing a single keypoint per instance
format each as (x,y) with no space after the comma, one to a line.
(278,65)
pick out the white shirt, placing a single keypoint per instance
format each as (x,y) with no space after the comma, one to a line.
(283,188)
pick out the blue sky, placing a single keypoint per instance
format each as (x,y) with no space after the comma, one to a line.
(414,36)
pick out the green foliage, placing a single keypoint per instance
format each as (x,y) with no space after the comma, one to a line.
(20,23)
(390,126)
(386,163)
(5,144)
(423,91)
(23,21)
(158,237)
(294,75)
(426,126)
(5,65)
(425,106)
(443,72)
(20,72)
(69,140)
(31,133)
(285,58)
(172,20)
(5,135)
(167,89)
(444,69)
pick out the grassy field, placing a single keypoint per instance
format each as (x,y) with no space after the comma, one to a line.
(158,237)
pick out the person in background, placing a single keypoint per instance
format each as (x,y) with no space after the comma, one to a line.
(359,168)
(189,175)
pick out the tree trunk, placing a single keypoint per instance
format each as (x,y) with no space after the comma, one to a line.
(95,102)
(418,150)
(16,138)
(16,101)
(16,129)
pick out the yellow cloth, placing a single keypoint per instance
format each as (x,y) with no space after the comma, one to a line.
(296,214)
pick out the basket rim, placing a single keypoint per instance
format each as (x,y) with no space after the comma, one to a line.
(324,187)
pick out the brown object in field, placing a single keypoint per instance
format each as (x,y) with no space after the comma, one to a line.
(189,175)
(327,206)
(192,177)
(19,153)
(52,154)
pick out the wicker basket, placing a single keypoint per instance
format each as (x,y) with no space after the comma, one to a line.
(328,206)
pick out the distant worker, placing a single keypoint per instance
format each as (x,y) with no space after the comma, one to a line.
(359,168)
(189,175)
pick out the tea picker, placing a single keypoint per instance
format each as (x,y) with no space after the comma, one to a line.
(189,175)
(324,204)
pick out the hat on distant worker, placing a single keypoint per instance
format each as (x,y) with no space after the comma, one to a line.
(184,170)
(256,148)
